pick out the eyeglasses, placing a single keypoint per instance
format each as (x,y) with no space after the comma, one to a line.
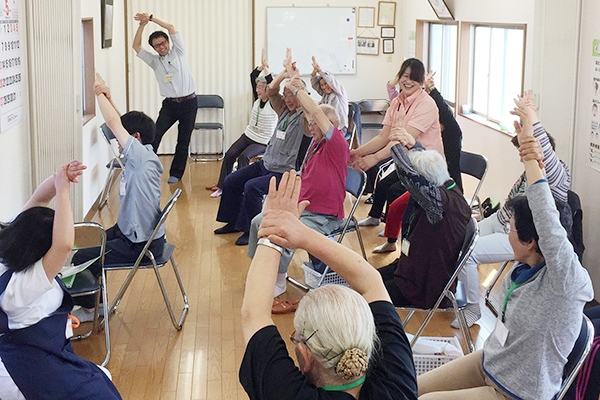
(295,340)
(508,229)
(160,44)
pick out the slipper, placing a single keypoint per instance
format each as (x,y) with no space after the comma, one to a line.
(212,187)
(283,307)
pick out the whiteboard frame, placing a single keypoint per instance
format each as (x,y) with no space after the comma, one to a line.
(308,72)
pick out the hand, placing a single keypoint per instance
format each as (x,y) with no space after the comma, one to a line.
(399,118)
(365,163)
(403,137)
(394,81)
(429,82)
(100,87)
(284,229)
(143,18)
(287,61)
(525,130)
(263,61)
(74,170)
(61,180)
(316,66)
(294,82)
(353,156)
(531,149)
(527,104)
(286,197)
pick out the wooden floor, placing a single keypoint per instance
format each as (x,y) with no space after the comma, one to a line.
(150,359)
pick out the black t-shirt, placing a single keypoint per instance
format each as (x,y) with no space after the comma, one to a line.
(268,372)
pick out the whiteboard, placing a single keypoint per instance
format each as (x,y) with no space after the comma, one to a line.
(328,33)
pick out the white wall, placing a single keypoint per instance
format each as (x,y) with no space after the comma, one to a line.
(110,63)
(15,178)
(586,181)
(372,71)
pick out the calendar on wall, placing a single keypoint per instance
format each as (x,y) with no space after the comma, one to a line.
(11,98)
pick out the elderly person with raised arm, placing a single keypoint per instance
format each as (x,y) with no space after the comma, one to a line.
(258,131)
(323,174)
(433,226)
(493,245)
(332,92)
(244,190)
(349,343)
(526,353)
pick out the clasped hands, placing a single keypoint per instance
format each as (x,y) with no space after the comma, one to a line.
(529,146)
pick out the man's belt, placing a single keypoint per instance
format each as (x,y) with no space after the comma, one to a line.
(181,99)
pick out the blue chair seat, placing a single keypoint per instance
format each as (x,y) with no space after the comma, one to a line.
(161,259)
(114,164)
(85,282)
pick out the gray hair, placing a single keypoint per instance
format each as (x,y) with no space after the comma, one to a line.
(261,79)
(331,114)
(431,165)
(337,319)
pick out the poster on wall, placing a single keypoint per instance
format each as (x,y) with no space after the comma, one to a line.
(11,99)
(594,154)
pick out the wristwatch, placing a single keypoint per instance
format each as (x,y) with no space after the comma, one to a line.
(266,242)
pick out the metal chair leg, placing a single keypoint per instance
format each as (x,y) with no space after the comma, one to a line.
(488,303)
(176,324)
(295,282)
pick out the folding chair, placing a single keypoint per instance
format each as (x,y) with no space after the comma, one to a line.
(459,301)
(216,103)
(474,165)
(154,261)
(488,303)
(91,234)
(355,185)
(113,166)
(354,134)
(576,358)
(374,110)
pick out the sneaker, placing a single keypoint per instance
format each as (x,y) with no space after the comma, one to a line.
(472,313)
(228,228)
(173,179)
(84,315)
(243,239)
(216,193)
(382,233)
(369,221)
(387,247)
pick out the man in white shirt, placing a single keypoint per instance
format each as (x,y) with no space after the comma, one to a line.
(176,84)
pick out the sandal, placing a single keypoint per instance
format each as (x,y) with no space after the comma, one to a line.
(212,187)
(283,306)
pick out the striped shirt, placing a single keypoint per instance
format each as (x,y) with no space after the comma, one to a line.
(557,174)
(262,123)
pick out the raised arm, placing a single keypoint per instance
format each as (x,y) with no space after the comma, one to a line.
(109,112)
(137,39)
(150,17)
(308,104)
(63,231)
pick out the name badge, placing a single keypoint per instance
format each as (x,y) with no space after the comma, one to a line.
(280,134)
(69,330)
(122,186)
(405,247)
(168,78)
(501,332)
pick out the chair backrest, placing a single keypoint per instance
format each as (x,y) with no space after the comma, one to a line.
(374,106)
(476,166)
(577,228)
(354,124)
(356,181)
(106,132)
(210,101)
(576,358)
(90,234)
(161,221)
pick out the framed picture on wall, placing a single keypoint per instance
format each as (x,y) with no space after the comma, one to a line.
(107,22)
(388,46)
(388,32)
(367,46)
(366,17)
(441,10)
(387,13)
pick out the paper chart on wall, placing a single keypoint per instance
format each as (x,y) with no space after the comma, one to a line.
(11,99)
(594,152)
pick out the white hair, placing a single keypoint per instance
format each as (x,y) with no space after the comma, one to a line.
(331,114)
(261,79)
(335,318)
(431,165)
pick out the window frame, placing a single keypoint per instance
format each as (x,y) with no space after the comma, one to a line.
(88,103)
(426,53)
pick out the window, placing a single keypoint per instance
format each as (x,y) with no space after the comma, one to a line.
(496,72)
(88,99)
(440,56)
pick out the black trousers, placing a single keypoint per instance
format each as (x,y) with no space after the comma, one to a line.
(387,274)
(119,250)
(384,193)
(243,150)
(171,112)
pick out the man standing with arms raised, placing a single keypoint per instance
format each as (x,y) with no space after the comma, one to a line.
(176,84)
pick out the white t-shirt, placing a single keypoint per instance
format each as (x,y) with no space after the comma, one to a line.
(29,297)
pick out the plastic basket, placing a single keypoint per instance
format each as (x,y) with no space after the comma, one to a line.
(427,362)
(312,277)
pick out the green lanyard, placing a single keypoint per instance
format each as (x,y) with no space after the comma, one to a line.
(257,115)
(345,387)
(285,124)
(312,152)
(510,290)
